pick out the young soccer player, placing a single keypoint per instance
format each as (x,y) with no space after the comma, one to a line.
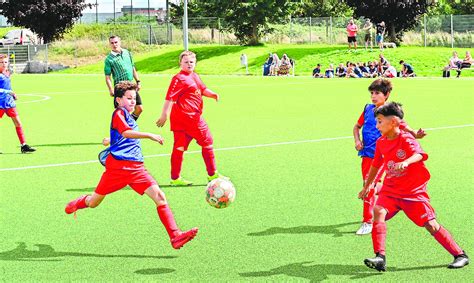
(404,187)
(184,101)
(380,90)
(124,166)
(8,105)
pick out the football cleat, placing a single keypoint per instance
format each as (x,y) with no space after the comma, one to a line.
(378,262)
(182,238)
(459,261)
(215,176)
(26,148)
(180,182)
(365,228)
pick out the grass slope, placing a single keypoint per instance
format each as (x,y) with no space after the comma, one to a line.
(221,60)
(296,208)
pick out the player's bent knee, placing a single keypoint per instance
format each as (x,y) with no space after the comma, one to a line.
(432,226)
(181,148)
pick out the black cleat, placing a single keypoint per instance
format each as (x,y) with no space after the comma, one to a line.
(26,149)
(459,261)
(378,262)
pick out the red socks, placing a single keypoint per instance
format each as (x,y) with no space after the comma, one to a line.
(20,134)
(379,233)
(167,218)
(210,160)
(446,240)
(176,162)
(369,202)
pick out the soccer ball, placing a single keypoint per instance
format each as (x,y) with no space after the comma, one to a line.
(220,193)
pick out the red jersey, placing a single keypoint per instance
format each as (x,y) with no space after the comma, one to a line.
(185,91)
(409,184)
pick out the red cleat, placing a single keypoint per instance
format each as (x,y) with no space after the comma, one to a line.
(76,204)
(183,237)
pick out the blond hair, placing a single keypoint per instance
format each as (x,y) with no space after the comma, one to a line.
(186,53)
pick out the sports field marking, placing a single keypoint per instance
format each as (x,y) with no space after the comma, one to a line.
(220,149)
(43,98)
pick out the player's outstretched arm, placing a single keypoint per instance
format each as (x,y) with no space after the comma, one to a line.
(130,134)
(358,143)
(416,134)
(164,113)
(209,93)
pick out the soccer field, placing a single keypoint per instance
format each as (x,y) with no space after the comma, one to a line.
(286,143)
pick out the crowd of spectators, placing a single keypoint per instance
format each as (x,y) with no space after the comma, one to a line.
(370,69)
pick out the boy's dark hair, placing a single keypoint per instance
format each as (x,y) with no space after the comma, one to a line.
(390,109)
(113,36)
(122,87)
(382,85)
(401,62)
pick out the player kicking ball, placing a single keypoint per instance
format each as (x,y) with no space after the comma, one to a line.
(124,166)
(404,187)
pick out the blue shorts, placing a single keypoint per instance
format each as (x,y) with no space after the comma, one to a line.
(379,38)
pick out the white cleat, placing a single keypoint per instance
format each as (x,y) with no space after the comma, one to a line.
(365,228)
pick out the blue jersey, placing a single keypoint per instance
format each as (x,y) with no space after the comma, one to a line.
(122,148)
(6,99)
(370,133)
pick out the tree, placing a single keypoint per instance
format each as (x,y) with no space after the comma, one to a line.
(398,16)
(248,20)
(48,18)
(323,8)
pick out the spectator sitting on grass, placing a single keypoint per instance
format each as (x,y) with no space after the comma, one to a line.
(275,65)
(466,63)
(341,71)
(353,71)
(285,66)
(407,70)
(454,64)
(317,72)
(390,72)
(329,72)
(371,70)
(383,64)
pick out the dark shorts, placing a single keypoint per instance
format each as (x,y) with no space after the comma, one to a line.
(139,101)
(351,39)
(368,37)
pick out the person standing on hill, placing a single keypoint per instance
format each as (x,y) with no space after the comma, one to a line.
(352,34)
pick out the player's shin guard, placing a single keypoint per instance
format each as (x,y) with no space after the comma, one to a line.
(210,160)
(21,135)
(379,233)
(167,218)
(446,240)
(369,202)
(176,163)
(76,204)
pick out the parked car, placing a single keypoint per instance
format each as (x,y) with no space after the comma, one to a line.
(19,37)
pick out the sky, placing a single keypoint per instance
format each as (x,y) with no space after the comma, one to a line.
(106,6)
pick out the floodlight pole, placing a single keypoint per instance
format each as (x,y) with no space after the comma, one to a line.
(96,12)
(185,25)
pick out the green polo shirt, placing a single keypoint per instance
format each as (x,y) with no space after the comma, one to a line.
(120,66)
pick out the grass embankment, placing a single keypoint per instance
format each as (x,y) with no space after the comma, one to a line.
(219,60)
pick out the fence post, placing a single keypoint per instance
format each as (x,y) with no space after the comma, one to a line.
(330,30)
(424,28)
(310,37)
(28,52)
(291,28)
(219,30)
(452,32)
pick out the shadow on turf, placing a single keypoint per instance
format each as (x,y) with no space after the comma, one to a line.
(90,190)
(47,253)
(320,272)
(67,144)
(328,229)
(154,271)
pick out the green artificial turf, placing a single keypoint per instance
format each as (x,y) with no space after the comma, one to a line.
(285,142)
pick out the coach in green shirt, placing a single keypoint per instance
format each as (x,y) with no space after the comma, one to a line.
(119,64)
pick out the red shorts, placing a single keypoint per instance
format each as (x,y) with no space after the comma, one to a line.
(419,212)
(115,179)
(366,163)
(201,134)
(11,112)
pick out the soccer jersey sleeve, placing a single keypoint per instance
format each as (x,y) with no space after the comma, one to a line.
(119,123)
(361,119)
(402,125)
(107,68)
(413,147)
(175,89)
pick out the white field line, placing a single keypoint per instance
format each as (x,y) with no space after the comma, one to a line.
(43,98)
(219,149)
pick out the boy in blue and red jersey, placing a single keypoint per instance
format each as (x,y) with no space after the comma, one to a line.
(380,90)
(124,166)
(184,101)
(404,187)
(8,105)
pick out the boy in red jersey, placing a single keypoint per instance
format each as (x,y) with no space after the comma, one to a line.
(380,90)
(8,105)
(184,101)
(124,166)
(404,187)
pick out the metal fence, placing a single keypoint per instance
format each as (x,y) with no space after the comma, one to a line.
(21,55)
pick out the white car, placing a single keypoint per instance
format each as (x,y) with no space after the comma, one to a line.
(19,37)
